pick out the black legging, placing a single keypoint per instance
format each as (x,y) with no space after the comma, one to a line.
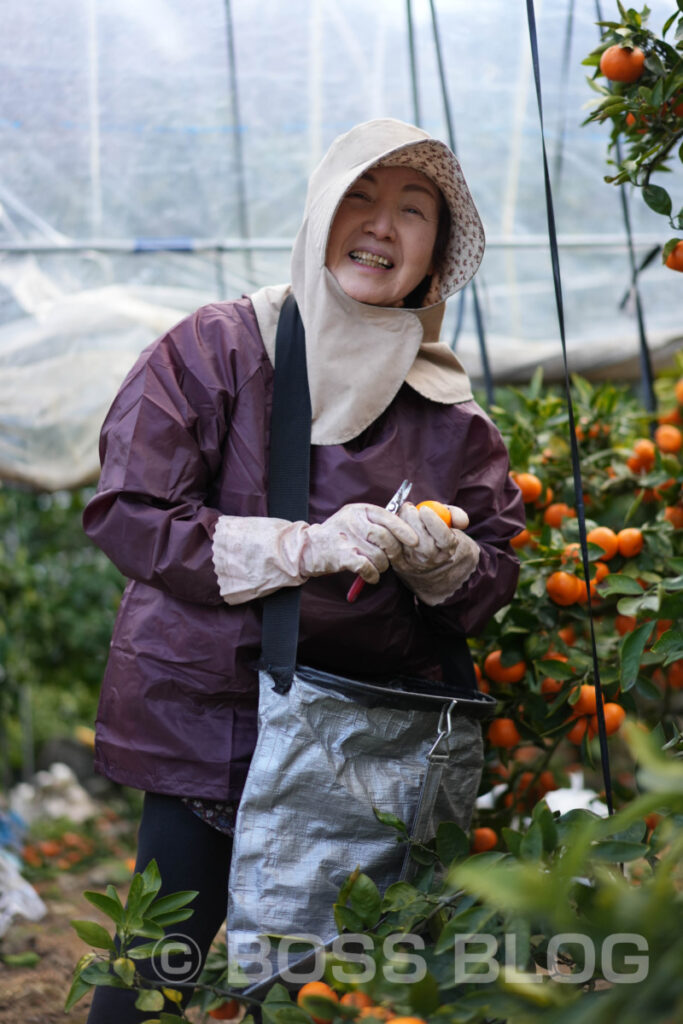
(190,855)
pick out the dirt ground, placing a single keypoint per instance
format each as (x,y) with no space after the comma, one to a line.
(35,995)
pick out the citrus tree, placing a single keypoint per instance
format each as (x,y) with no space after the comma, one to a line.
(643,100)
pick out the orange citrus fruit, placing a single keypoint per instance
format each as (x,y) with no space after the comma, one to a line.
(578,730)
(503,732)
(674,514)
(606,539)
(668,438)
(321,990)
(358,999)
(226,1011)
(529,484)
(630,541)
(442,511)
(622,63)
(550,686)
(587,701)
(568,635)
(625,624)
(521,540)
(674,675)
(406,1020)
(614,716)
(674,260)
(563,588)
(483,839)
(376,1013)
(678,391)
(500,673)
(555,513)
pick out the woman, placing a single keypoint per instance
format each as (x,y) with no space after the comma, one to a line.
(389,231)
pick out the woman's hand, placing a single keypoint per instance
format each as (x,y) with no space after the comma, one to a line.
(360,538)
(444,557)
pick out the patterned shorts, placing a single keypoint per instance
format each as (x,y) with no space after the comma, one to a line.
(219,814)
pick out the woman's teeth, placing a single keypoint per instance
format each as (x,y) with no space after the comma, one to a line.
(369,259)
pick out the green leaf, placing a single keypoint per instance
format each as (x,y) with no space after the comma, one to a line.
(391,820)
(125,968)
(113,908)
(79,988)
(400,895)
(365,900)
(658,199)
(424,995)
(618,584)
(452,842)
(470,921)
(512,840)
(151,879)
(173,901)
(175,917)
(543,816)
(94,934)
(631,654)
(531,846)
(670,644)
(27,959)
(344,917)
(99,974)
(614,851)
(149,999)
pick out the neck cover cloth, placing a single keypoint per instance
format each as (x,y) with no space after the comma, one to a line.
(359,355)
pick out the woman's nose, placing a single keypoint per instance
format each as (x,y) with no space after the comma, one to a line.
(380,221)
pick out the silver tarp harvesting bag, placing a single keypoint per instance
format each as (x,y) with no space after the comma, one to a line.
(328,753)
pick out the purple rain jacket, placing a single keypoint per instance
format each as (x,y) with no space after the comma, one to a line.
(187,440)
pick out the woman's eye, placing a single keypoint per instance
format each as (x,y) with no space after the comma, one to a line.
(414,209)
(358,195)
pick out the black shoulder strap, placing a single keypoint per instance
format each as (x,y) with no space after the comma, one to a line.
(289,463)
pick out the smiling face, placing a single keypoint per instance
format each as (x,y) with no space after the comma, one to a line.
(381,243)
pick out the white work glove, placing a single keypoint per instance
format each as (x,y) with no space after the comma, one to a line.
(254,555)
(444,558)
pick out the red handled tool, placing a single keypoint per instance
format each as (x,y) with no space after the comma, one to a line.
(393,506)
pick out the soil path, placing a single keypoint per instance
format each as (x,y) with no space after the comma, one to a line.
(35,995)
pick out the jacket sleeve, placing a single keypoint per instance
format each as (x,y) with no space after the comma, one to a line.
(160,448)
(496,510)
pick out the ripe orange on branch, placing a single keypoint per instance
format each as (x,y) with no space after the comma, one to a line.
(564,588)
(357,999)
(483,839)
(503,732)
(630,541)
(322,991)
(555,513)
(606,539)
(674,260)
(529,484)
(622,63)
(668,438)
(226,1011)
(499,673)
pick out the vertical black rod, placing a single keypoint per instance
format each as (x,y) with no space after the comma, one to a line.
(564,82)
(237,128)
(478,318)
(574,448)
(417,115)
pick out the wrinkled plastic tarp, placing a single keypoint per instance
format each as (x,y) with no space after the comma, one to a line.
(121,139)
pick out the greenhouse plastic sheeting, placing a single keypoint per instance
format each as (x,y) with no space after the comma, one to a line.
(155,157)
